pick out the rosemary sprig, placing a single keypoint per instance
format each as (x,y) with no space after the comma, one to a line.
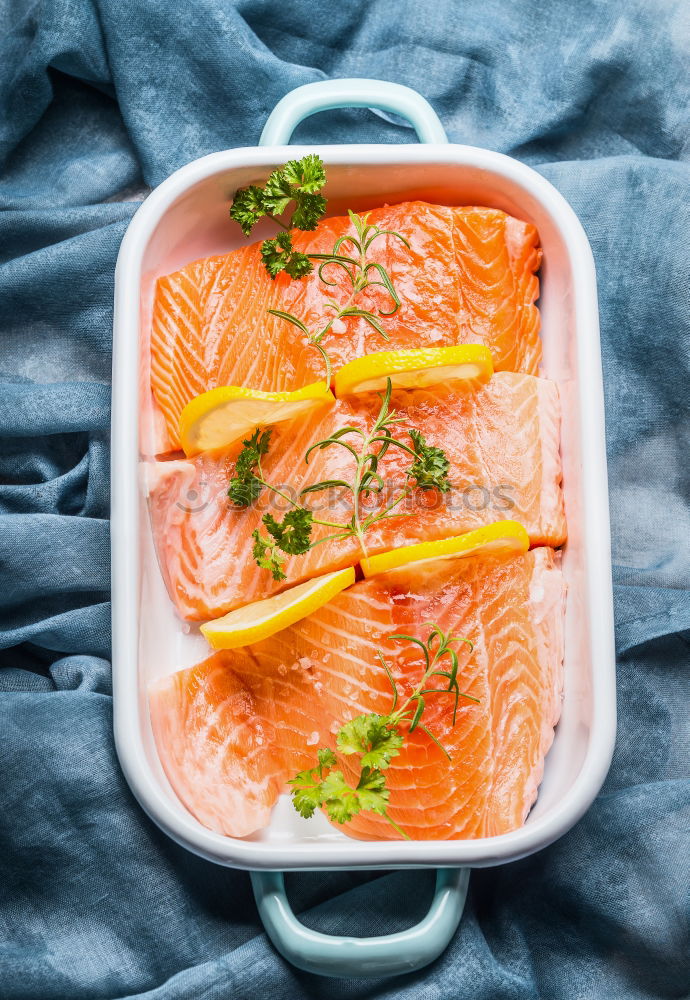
(300,181)
(292,536)
(361,272)
(366,478)
(377,739)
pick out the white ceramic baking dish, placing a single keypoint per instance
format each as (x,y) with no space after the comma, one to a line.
(186,217)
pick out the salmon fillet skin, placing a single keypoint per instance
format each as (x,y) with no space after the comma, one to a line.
(234,729)
(502,441)
(469,276)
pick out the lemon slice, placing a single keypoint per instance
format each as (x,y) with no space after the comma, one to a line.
(500,537)
(264,618)
(414,369)
(221,416)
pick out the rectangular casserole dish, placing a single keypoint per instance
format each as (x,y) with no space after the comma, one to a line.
(185,218)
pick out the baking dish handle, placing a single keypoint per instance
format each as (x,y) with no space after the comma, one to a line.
(324,95)
(389,955)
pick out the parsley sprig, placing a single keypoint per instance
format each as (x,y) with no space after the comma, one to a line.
(246,486)
(292,536)
(299,181)
(431,467)
(378,739)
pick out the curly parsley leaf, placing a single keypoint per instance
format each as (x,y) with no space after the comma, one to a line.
(279,255)
(244,487)
(276,253)
(309,210)
(277,193)
(298,182)
(307,791)
(243,492)
(373,737)
(293,533)
(307,794)
(247,208)
(431,466)
(298,264)
(267,556)
(307,174)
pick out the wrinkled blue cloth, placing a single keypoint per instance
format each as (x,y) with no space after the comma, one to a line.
(99,101)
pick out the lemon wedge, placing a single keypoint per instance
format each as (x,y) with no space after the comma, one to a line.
(414,369)
(500,537)
(262,619)
(221,416)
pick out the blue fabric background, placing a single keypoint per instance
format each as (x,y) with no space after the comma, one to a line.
(99,101)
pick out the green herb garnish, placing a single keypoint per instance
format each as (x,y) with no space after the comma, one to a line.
(292,535)
(378,739)
(267,556)
(367,453)
(430,470)
(360,272)
(245,487)
(299,181)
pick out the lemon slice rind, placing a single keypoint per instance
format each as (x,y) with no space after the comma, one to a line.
(219,417)
(414,369)
(262,619)
(498,537)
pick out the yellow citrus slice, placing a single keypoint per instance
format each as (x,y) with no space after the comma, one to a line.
(264,618)
(221,416)
(414,369)
(500,537)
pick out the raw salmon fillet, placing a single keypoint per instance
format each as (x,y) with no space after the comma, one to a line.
(502,440)
(468,277)
(231,731)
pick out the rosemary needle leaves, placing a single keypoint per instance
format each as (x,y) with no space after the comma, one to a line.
(300,182)
(377,739)
(350,255)
(429,469)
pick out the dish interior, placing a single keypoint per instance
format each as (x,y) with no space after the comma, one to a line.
(197,225)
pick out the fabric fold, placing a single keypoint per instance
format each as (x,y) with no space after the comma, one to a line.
(102,99)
